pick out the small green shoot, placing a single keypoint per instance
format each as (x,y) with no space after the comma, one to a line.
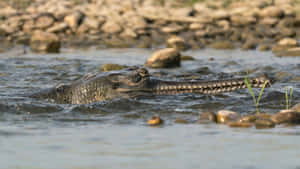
(256,101)
(288,97)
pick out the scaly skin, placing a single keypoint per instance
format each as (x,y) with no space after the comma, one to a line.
(134,82)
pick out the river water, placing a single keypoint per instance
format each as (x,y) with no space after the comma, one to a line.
(114,134)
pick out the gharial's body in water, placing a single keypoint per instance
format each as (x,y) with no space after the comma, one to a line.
(134,82)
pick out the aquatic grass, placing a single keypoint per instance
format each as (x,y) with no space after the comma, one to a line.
(288,97)
(256,101)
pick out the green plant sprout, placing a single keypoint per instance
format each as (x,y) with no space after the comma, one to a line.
(256,101)
(288,97)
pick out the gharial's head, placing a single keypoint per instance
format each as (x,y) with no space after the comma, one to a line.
(129,82)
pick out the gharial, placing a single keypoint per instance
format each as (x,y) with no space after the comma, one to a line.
(134,82)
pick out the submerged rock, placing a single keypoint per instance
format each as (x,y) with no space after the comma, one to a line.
(240,124)
(264,123)
(111,67)
(225,116)
(248,119)
(180,121)
(286,116)
(44,42)
(155,120)
(164,58)
(207,117)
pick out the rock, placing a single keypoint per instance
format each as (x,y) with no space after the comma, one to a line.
(250,43)
(58,27)
(242,20)
(288,42)
(196,26)
(207,117)
(289,52)
(220,14)
(269,21)
(271,11)
(296,108)
(284,44)
(155,121)
(264,123)
(164,58)
(185,58)
(44,42)
(287,32)
(180,121)
(264,47)
(74,20)
(222,45)
(172,29)
(111,67)
(44,21)
(286,116)
(93,23)
(265,116)
(176,42)
(128,33)
(225,116)
(247,119)
(2,32)
(240,124)
(111,27)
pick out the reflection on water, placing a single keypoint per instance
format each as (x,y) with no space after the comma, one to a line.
(114,134)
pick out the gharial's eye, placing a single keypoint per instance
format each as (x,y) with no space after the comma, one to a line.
(143,72)
(136,78)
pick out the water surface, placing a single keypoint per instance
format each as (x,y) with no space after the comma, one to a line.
(114,134)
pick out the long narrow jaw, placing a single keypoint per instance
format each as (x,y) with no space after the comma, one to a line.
(209,87)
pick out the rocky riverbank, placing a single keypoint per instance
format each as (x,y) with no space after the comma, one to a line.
(256,24)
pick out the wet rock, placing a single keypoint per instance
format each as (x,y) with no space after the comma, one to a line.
(289,52)
(286,116)
(207,117)
(44,21)
(111,27)
(222,45)
(264,47)
(164,58)
(225,116)
(250,43)
(74,20)
(111,67)
(185,58)
(176,42)
(44,42)
(265,116)
(155,121)
(283,45)
(264,124)
(180,120)
(247,119)
(240,124)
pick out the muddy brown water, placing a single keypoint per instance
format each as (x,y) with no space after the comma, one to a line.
(113,134)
